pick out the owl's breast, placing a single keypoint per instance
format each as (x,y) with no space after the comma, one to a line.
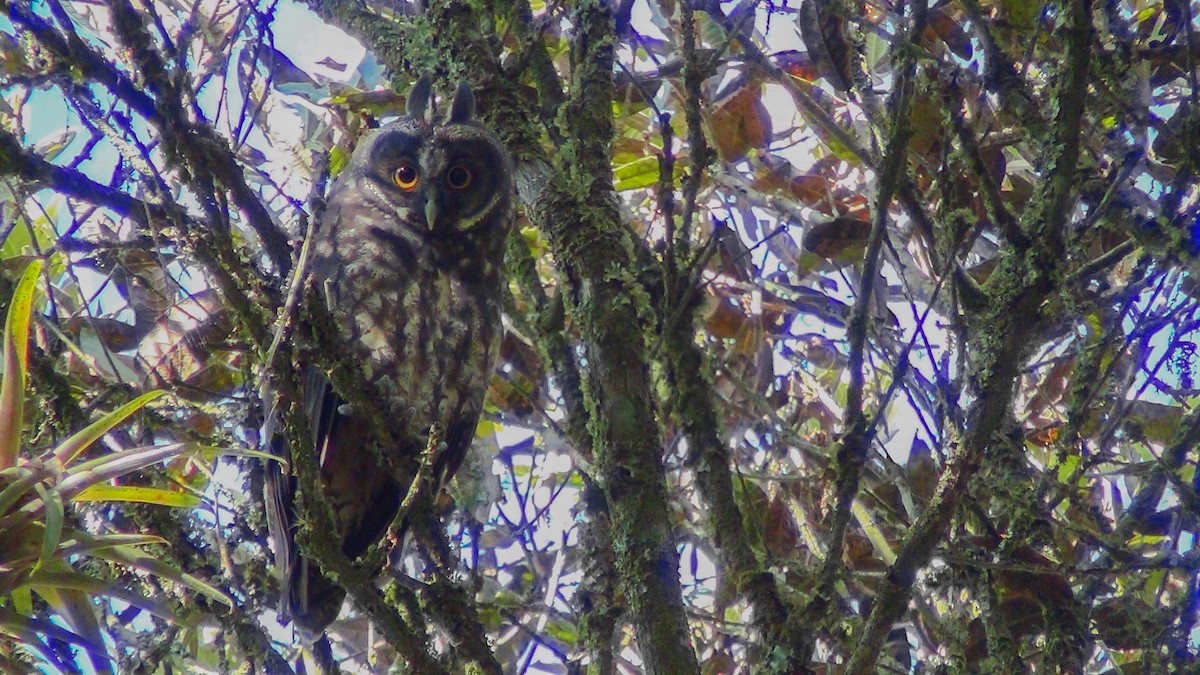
(427,336)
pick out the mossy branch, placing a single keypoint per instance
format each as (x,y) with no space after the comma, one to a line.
(317,535)
(569,196)
(1007,328)
(856,434)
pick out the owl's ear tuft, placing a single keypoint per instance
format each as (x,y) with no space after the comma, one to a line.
(418,98)
(462,108)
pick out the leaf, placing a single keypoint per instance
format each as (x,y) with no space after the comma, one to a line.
(871,529)
(719,663)
(1068,468)
(113,333)
(81,543)
(922,471)
(23,479)
(26,629)
(63,577)
(16,361)
(809,189)
(133,459)
(338,158)
(797,64)
(927,135)
(52,144)
(53,525)
(637,174)
(780,534)
(942,26)
(739,124)
(134,558)
(824,37)
(116,465)
(76,608)
(70,448)
(844,238)
(1130,623)
(70,580)
(23,600)
(25,239)
(1155,422)
(142,495)
(723,319)
(1022,14)
(378,102)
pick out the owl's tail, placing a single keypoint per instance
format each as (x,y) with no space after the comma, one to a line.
(311,600)
(363,497)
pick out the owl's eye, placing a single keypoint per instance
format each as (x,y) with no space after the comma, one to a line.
(405,177)
(458,177)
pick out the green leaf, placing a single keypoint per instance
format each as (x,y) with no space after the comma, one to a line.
(116,465)
(563,631)
(133,459)
(874,534)
(133,558)
(65,578)
(12,493)
(82,543)
(141,495)
(100,469)
(53,525)
(125,461)
(25,239)
(16,361)
(22,600)
(1022,13)
(26,628)
(76,608)
(338,158)
(1067,469)
(70,448)
(639,173)
(54,143)
(213,451)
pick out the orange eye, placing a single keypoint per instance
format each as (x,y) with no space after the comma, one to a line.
(405,177)
(458,177)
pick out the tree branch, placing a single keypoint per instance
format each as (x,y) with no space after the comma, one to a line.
(1017,289)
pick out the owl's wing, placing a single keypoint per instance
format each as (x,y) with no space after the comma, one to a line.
(280,491)
(458,443)
(281,488)
(363,497)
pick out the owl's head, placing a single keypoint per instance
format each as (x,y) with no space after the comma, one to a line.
(445,175)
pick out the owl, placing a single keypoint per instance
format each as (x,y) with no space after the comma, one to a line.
(408,259)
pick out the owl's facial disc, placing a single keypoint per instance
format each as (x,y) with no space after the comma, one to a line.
(455,192)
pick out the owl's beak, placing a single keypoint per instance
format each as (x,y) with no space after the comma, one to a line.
(431,210)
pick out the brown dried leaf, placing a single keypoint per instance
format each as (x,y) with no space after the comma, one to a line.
(797,64)
(824,36)
(114,334)
(739,124)
(922,471)
(1129,623)
(779,532)
(723,318)
(810,190)
(719,663)
(944,27)
(927,132)
(843,238)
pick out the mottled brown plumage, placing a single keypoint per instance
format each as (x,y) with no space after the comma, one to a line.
(408,259)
